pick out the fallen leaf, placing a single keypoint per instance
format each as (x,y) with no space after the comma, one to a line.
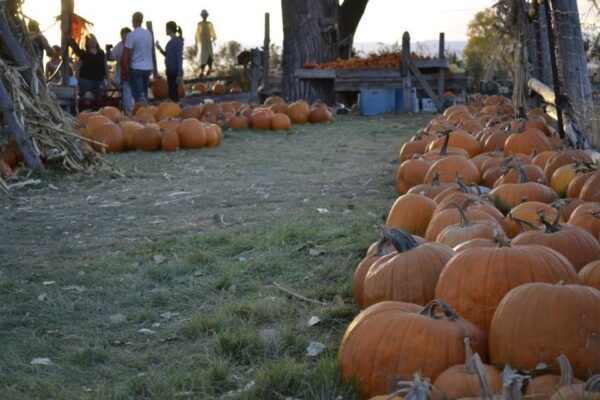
(46,283)
(117,319)
(169,339)
(322,210)
(42,297)
(315,348)
(314,252)
(159,258)
(147,331)
(313,321)
(41,361)
(167,316)
(155,325)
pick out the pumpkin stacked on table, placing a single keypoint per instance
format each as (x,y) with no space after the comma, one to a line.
(495,239)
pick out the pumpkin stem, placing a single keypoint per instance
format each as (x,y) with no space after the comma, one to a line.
(402,240)
(566,372)
(435,181)
(470,366)
(464,221)
(512,384)
(444,148)
(551,227)
(429,310)
(485,387)
(417,389)
(461,184)
(522,174)
(384,247)
(500,238)
(593,384)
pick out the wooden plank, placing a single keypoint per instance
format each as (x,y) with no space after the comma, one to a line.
(434,63)
(369,73)
(63,92)
(425,85)
(303,73)
(442,71)
(266,51)
(543,90)
(207,79)
(406,87)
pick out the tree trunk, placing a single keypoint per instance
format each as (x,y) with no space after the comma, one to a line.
(350,13)
(306,37)
(573,68)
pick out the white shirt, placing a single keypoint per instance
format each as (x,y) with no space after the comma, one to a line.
(139,42)
(116,53)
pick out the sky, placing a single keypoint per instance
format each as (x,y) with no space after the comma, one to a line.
(243,20)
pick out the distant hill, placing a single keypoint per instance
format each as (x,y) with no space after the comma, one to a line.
(427,47)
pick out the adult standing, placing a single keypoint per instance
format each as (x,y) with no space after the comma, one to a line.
(136,61)
(93,70)
(205,36)
(115,55)
(173,58)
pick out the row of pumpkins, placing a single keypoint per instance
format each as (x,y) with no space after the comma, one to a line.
(169,127)
(480,251)
(160,89)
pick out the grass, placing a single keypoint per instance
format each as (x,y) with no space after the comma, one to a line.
(202,316)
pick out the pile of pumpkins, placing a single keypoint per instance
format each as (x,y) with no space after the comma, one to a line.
(490,254)
(160,89)
(169,127)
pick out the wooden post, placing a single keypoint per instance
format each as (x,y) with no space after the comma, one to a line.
(13,47)
(573,70)
(19,133)
(266,52)
(65,29)
(154,68)
(406,85)
(555,80)
(441,76)
(255,73)
(543,47)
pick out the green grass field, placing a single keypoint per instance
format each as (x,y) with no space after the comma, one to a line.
(162,284)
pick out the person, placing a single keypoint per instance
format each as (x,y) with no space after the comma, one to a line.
(136,60)
(205,36)
(93,70)
(52,71)
(173,58)
(40,43)
(115,55)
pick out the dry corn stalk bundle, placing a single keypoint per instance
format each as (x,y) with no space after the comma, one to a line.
(52,133)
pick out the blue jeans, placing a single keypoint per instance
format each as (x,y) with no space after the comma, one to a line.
(88,85)
(173,86)
(139,80)
(127,98)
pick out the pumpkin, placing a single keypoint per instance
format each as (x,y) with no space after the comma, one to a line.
(200,88)
(565,157)
(129,128)
(524,332)
(237,121)
(409,275)
(564,175)
(261,118)
(93,122)
(170,140)
(512,175)
(452,216)
(575,243)
(462,380)
(319,113)
(235,89)
(460,139)
(430,190)
(111,135)
(379,249)
(525,217)
(478,242)
(191,134)
(298,112)
(271,100)
(411,213)
(580,391)
(159,88)
(393,340)
(168,109)
(575,186)
(509,195)
(213,135)
(448,168)
(590,274)
(474,281)
(218,89)
(544,386)
(411,173)
(541,159)
(112,113)
(465,230)
(591,189)
(411,148)
(568,206)
(279,108)
(147,139)
(590,221)
(280,122)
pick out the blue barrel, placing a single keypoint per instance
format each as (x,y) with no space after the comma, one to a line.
(377,101)
(414,102)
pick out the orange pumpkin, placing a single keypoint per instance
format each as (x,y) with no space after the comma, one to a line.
(200,88)
(191,134)
(147,139)
(160,89)
(280,122)
(299,112)
(170,140)
(218,89)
